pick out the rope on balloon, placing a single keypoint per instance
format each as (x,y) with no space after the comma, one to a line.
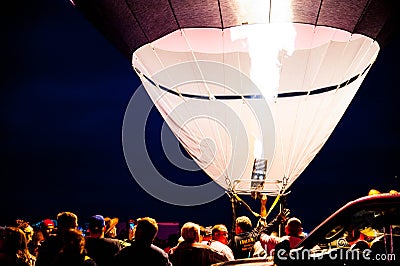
(280,195)
(236,200)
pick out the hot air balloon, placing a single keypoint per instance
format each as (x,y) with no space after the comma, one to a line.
(251,89)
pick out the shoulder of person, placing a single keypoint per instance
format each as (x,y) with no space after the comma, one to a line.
(116,242)
(88,261)
(269,237)
(157,248)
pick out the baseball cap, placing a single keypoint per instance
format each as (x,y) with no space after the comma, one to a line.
(96,223)
(48,223)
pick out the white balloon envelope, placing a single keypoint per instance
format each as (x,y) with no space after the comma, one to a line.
(276,98)
(251,89)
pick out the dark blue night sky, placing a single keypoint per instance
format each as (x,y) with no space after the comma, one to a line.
(64,91)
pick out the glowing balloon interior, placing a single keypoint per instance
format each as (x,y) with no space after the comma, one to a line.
(304,77)
(240,82)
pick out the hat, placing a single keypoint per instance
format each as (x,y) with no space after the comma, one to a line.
(96,223)
(110,223)
(48,223)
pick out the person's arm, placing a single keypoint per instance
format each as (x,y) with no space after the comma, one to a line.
(262,222)
(263,228)
(263,210)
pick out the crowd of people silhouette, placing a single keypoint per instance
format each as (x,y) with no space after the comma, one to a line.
(104,241)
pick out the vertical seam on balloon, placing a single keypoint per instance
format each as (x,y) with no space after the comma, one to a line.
(224,163)
(319,12)
(310,133)
(361,16)
(163,66)
(299,118)
(227,178)
(220,14)
(137,21)
(173,13)
(309,140)
(269,13)
(241,84)
(283,158)
(197,64)
(236,134)
(294,142)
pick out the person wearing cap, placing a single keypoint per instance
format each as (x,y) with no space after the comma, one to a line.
(52,245)
(47,227)
(111,227)
(100,248)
